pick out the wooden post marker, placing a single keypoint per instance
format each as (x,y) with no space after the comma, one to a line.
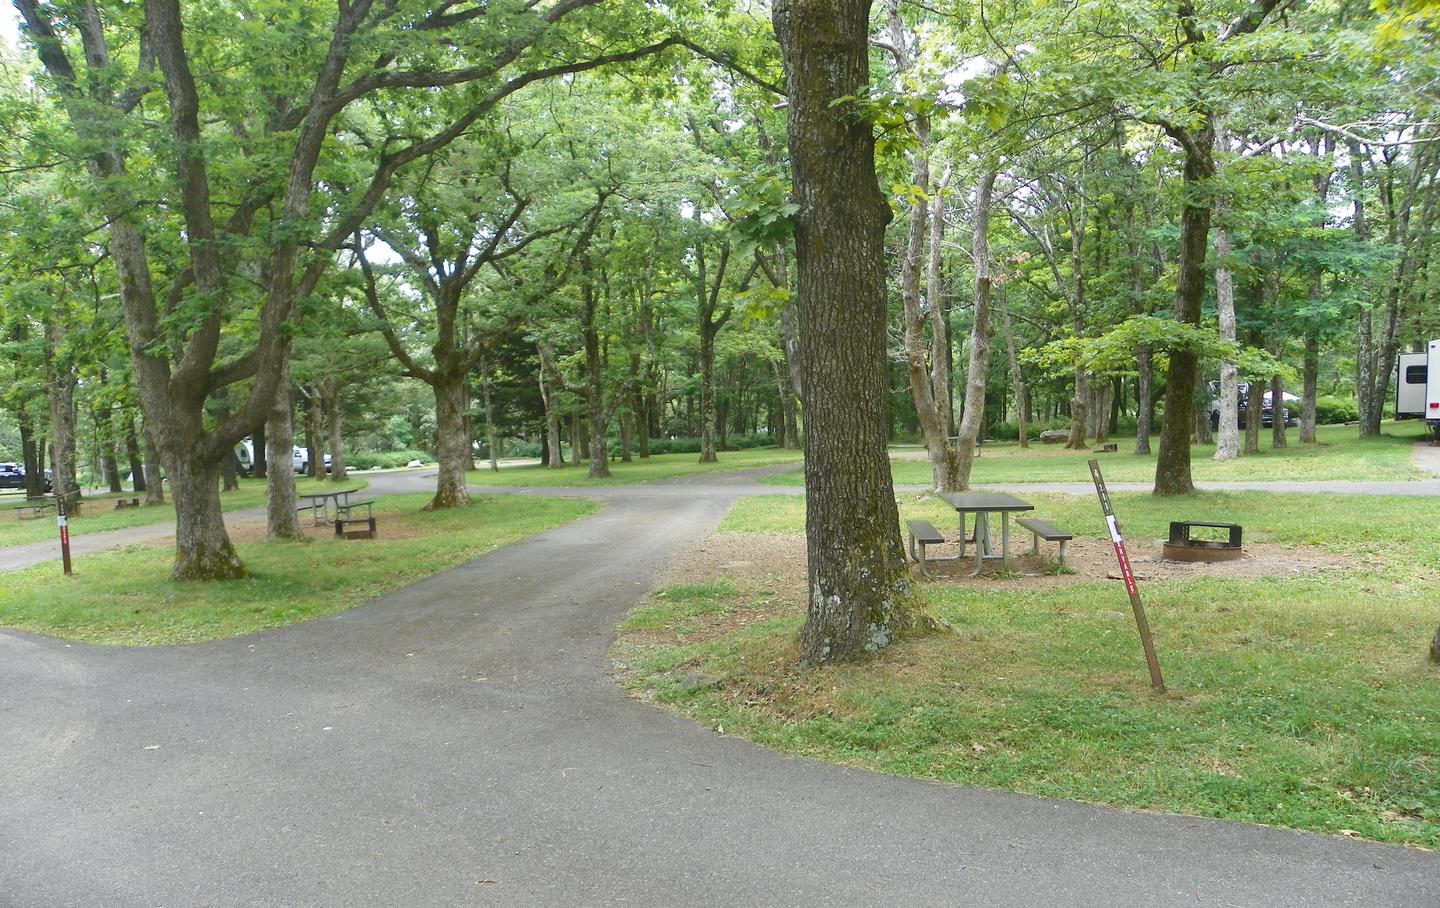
(1156,681)
(63,521)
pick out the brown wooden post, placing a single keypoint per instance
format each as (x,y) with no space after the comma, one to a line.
(1113,525)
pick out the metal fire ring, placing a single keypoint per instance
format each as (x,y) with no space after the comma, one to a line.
(1180,547)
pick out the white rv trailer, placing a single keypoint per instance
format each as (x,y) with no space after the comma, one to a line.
(1417,386)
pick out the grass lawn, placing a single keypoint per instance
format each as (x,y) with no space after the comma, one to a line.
(1304,702)
(98,512)
(1340,454)
(652,469)
(124,598)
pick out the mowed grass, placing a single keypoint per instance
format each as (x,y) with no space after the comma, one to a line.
(1340,454)
(652,469)
(98,513)
(1304,702)
(124,597)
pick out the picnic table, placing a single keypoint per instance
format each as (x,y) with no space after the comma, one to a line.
(322,503)
(982,505)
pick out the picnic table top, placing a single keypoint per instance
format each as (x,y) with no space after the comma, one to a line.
(985,501)
(335,494)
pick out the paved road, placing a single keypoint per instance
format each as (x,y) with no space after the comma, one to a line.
(460,743)
(19,556)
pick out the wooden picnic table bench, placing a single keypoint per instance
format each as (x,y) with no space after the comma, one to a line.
(346,520)
(922,533)
(33,508)
(1046,531)
(321,503)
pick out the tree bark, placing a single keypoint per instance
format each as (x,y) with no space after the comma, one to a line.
(595,384)
(925,361)
(861,596)
(491,442)
(331,396)
(1227,429)
(549,393)
(314,446)
(978,371)
(1144,397)
(105,428)
(203,549)
(132,453)
(1254,402)
(707,302)
(60,393)
(229,472)
(281,521)
(450,442)
(154,481)
(260,461)
(1277,412)
(30,454)
(1017,380)
(1310,381)
(1172,463)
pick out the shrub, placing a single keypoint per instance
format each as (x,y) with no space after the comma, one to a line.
(692,445)
(385,460)
(1332,410)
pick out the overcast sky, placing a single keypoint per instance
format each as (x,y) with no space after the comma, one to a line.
(8,21)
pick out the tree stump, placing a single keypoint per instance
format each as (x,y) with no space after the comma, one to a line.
(1435,646)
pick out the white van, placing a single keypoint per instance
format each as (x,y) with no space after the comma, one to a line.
(299,460)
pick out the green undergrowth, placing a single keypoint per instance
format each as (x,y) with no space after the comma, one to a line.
(124,598)
(1341,454)
(651,469)
(1305,701)
(98,513)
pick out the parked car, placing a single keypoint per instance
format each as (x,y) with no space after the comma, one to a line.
(1267,409)
(299,459)
(12,476)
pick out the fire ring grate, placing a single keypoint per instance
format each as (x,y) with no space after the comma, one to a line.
(1180,547)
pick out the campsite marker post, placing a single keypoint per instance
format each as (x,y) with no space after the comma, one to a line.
(63,521)
(1156,681)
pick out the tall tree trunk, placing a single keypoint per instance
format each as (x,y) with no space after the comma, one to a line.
(450,441)
(595,386)
(1144,397)
(1277,412)
(203,549)
(925,362)
(707,394)
(1254,402)
(1017,381)
(154,481)
(29,453)
(861,593)
(978,370)
(1310,381)
(60,393)
(642,425)
(132,453)
(549,398)
(1117,397)
(1079,412)
(260,460)
(229,472)
(281,521)
(105,428)
(314,447)
(1172,464)
(331,392)
(491,441)
(1227,427)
